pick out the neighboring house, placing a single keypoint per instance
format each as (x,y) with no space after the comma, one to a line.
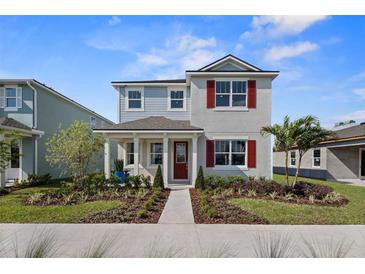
(340,158)
(210,119)
(37,111)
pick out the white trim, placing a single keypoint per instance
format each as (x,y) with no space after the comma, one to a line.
(234,138)
(159,84)
(230,166)
(36,156)
(20,159)
(31,132)
(126,96)
(233,73)
(35,105)
(174,88)
(148,131)
(149,142)
(119,111)
(229,58)
(360,151)
(320,158)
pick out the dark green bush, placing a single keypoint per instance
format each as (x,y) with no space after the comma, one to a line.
(35,180)
(158,180)
(138,181)
(200,181)
(214,181)
(235,179)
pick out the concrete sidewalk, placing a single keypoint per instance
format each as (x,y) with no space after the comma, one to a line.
(181,240)
(178,209)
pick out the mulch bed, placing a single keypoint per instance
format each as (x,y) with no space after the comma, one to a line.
(127,213)
(225,213)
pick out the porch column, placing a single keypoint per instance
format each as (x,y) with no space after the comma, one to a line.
(165,159)
(107,158)
(121,151)
(2,173)
(136,154)
(194,168)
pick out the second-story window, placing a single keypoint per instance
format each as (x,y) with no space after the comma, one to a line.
(92,122)
(176,99)
(134,99)
(231,94)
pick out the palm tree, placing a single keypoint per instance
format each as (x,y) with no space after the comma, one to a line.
(285,137)
(311,134)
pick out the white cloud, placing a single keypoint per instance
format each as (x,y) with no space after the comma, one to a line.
(277,53)
(115,20)
(276,26)
(151,59)
(176,55)
(356,115)
(238,47)
(360,92)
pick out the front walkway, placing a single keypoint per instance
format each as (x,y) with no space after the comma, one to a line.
(178,209)
(356,182)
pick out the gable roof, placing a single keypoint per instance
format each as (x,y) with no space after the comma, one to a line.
(53,91)
(349,132)
(11,123)
(173,81)
(228,58)
(153,123)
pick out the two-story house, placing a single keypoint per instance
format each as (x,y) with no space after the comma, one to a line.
(36,111)
(212,118)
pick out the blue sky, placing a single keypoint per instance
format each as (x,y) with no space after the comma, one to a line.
(321,58)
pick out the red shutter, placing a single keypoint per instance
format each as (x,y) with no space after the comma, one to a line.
(210,153)
(210,94)
(251,153)
(251,94)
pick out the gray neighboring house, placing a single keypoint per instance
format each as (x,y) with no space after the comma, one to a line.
(341,158)
(36,111)
(212,118)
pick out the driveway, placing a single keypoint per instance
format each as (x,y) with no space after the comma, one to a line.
(182,240)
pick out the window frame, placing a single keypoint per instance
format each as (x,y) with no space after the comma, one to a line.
(230,152)
(6,108)
(313,158)
(176,88)
(231,94)
(127,90)
(290,158)
(127,153)
(149,160)
(92,125)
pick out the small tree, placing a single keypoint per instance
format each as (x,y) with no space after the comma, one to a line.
(311,135)
(199,182)
(158,180)
(73,149)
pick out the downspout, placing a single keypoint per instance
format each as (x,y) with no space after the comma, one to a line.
(35,125)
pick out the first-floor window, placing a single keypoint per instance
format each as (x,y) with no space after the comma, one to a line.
(230,152)
(316,157)
(130,153)
(14,162)
(293,158)
(156,153)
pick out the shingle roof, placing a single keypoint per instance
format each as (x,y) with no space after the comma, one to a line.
(153,123)
(10,122)
(151,81)
(349,132)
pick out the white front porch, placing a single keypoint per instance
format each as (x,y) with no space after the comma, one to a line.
(142,152)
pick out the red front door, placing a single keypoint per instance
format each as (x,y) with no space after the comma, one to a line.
(181,160)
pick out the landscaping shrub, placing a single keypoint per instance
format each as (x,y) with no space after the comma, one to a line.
(305,189)
(214,181)
(235,180)
(34,180)
(158,180)
(3,191)
(199,182)
(137,181)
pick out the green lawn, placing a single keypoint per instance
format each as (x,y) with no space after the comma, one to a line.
(12,209)
(284,213)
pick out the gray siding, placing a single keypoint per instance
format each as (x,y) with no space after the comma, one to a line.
(24,114)
(55,112)
(155,104)
(245,123)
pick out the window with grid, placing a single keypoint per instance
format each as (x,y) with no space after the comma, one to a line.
(130,154)
(316,157)
(176,99)
(293,158)
(156,153)
(230,152)
(231,94)
(10,97)
(134,99)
